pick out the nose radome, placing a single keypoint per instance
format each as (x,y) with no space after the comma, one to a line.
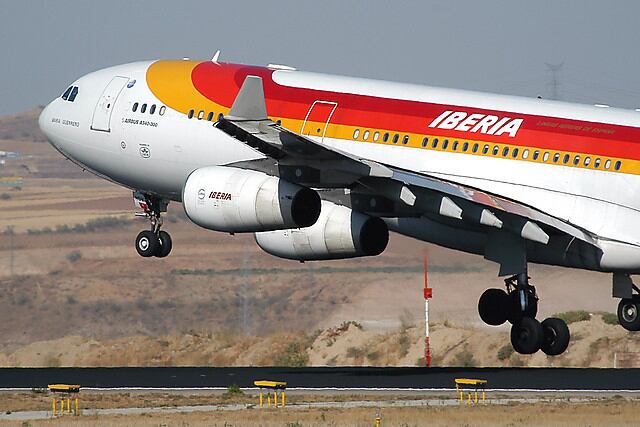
(44,120)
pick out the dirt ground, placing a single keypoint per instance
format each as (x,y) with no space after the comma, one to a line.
(612,412)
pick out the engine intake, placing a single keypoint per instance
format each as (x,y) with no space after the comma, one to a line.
(338,233)
(236,200)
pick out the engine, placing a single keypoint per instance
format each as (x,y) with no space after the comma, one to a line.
(338,233)
(229,199)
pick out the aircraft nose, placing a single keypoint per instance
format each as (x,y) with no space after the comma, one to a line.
(44,121)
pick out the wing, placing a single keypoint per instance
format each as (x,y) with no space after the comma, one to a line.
(407,193)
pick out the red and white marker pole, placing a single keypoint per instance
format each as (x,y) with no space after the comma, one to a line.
(428,293)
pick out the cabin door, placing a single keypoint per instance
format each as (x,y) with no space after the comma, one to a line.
(318,117)
(102,114)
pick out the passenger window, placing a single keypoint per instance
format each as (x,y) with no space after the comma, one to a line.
(587,161)
(143,108)
(425,141)
(365,135)
(66,93)
(445,144)
(376,136)
(514,154)
(465,146)
(356,133)
(525,154)
(73,94)
(434,143)
(201,115)
(576,160)
(505,151)
(618,165)
(162,110)
(385,138)
(536,154)
(475,148)
(545,156)
(565,159)
(405,139)
(190,115)
(454,147)
(495,150)
(556,157)
(152,110)
(596,163)
(210,116)
(607,164)
(485,149)
(135,107)
(395,138)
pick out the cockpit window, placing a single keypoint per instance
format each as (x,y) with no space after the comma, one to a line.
(66,93)
(70,94)
(73,94)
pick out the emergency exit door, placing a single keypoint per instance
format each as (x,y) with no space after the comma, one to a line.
(102,114)
(318,118)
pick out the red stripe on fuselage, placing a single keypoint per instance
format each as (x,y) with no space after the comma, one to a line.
(221,82)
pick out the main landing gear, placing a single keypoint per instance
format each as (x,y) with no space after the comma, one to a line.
(519,306)
(629,305)
(153,242)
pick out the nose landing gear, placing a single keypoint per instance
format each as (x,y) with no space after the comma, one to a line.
(519,306)
(154,242)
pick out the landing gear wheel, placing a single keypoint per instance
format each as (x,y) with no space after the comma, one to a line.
(629,313)
(165,244)
(556,336)
(493,306)
(527,335)
(147,244)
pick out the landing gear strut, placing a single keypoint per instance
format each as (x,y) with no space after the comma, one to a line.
(153,242)
(519,306)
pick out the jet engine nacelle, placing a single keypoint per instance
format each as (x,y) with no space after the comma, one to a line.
(339,233)
(234,200)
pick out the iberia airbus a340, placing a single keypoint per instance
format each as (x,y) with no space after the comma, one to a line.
(322,167)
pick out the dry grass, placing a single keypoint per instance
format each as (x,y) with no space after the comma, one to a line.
(603,413)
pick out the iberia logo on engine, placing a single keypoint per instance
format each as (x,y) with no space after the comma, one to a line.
(483,123)
(219,195)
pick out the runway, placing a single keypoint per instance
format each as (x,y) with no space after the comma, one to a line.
(327,378)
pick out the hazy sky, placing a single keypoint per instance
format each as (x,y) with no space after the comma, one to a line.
(497,46)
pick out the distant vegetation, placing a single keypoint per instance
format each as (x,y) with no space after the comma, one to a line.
(321,270)
(465,358)
(505,352)
(74,256)
(91,226)
(610,318)
(294,355)
(573,316)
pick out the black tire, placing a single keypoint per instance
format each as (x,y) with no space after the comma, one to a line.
(629,314)
(516,313)
(165,244)
(527,335)
(147,244)
(556,336)
(493,306)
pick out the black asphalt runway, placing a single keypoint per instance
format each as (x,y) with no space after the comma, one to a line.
(357,378)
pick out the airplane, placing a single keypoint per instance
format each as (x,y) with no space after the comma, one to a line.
(323,167)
